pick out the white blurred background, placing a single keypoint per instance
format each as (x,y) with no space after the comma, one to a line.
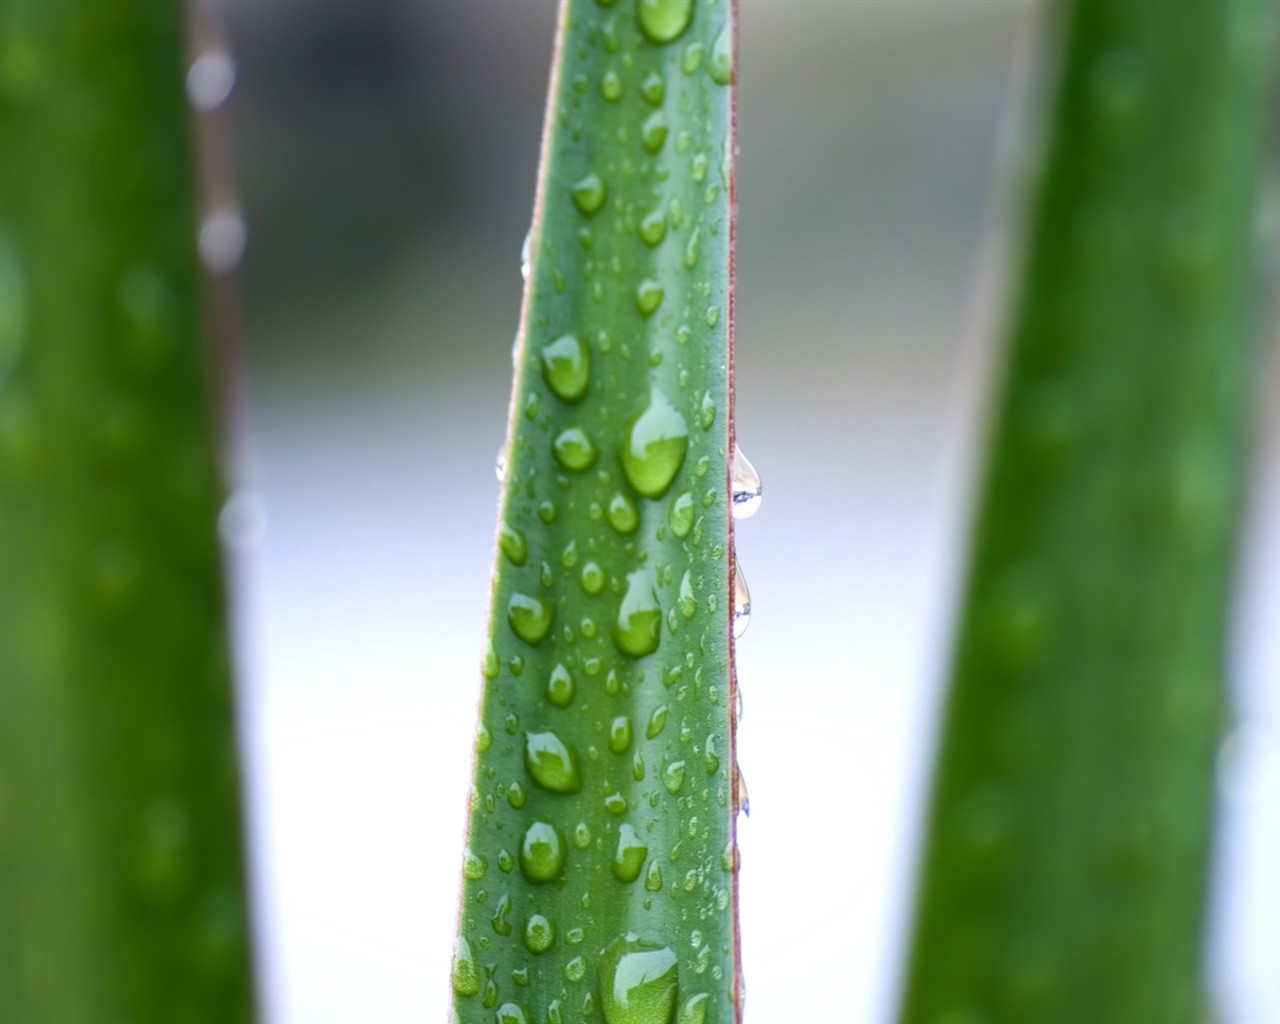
(386,156)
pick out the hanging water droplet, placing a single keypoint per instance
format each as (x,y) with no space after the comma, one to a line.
(747,490)
(639,981)
(741,602)
(466,976)
(648,298)
(552,763)
(539,933)
(655,446)
(629,856)
(737,691)
(530,617)
(500,464)
(566,367)
(221,239)
(210,79)
(639,622)
(740,796)
(526,254)
(574,449)
(589,194)
(721,64)
(542,852)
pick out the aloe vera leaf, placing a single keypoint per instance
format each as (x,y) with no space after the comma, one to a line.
(121,882)
(1064,871)
(600,872)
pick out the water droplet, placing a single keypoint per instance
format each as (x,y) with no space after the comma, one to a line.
(636,631)
(615,803)
(620,734)
(698,171)
(747,491)
(653,133)
(210,79)
(707,411)
(721,64)
(542,852)
(630,855)
(539,934)
(510,1013)
(655,446)
(673,777)
(566,367)
(569,556)
(687,602)
(653,877)
(592,579)
(530,617)
(526,254)
(484,738)
(648,297)
(466,976)
(741,602)
(221,239)
(653,229)
(513,544)
(588,194)
(694,1010)
(657,722)
(500,464)
(547,511)
(740,796)
(664,20)
(711,756)
(638,981)
(500,914)
(552,762)
(611,85)
(574,450)
(681,515)
(693,248)
(575,970)
(515,795)
(622,514)
(691,59)
(637,767)
(475,866)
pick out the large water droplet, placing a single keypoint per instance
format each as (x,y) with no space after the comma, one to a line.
(655,446)
(513,544)
(620,734)
(552,763)
(588,194)
(542,852)
(741,602)
(664,20)
(747,490)
(466,975)
(636,631)
(639,980)
(566,366)
(721,65)
(539,933)
(474,865)
(574,450)
(210,79)
(629,857)
(530,617)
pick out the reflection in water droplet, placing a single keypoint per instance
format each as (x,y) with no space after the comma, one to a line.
(747,490)
(542,852)
(655,446)
(221,240)
(210,79)
(552,763)
(630,855)
(638,625)
(741,602)
(638,981)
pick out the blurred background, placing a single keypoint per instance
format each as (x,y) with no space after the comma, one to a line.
(386,155)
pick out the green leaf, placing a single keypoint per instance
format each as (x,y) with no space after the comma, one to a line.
(599,878)
(1064,871)
(121,885)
